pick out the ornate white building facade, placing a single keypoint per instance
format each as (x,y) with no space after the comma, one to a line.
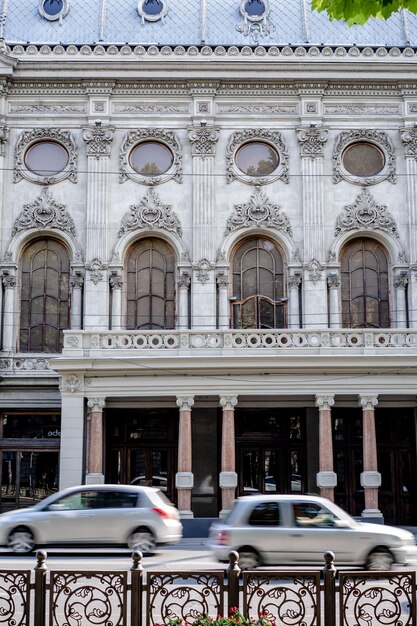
(208,252)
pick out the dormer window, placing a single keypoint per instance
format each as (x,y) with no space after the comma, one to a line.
(255,8)
(152,10)
(53,9)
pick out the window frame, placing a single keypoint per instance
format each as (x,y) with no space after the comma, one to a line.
(53,18)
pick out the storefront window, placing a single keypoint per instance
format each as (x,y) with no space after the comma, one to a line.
(29,426)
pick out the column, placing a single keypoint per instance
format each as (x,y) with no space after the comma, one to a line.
(312,141)
(203,304)
(71,455)
(401,282)
(294,285)
(95,468)
(98,139)
(333,283)
(370,477)
(326,477)
(224,309)
(116,284)
(77,282)
(409,138)
(228,476)
(184,479)
(9,339)
(184,283)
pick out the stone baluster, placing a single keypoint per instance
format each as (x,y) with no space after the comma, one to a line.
(184,479)
(326,477)
(228,476)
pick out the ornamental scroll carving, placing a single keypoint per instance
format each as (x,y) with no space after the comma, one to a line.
(30,137)
(312,141)
(409,138)
(44,212)
(365,213)
(259,211)
(98,140)
(377,138)
(140,135)
(150,213)
(255,26)
(203,141)
(272,137)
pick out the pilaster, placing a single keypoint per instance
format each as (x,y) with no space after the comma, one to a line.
(9,318)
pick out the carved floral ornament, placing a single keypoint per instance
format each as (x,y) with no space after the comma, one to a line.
(166,138)
(255,25)
(365,213)
(150,213)
(312,141)
(259,211)
(44,212)
(203,141)
(240,139)
(409,138)
(374,138)
(28,139)
(98,140)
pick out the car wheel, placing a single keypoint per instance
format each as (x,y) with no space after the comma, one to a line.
(379,559)
(142,539)
(248,559)
(21,540)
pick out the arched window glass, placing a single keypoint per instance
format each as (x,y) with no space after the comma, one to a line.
(151,285)
(364,283)
(258,285)
(45,296)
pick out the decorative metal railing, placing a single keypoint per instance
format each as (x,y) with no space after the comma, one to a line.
(135,598)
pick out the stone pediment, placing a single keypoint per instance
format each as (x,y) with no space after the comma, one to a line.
(366,214)
(259,211)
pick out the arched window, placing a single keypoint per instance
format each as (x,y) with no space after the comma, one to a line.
(151,285)
(45,296)
(364,278)
(258,285)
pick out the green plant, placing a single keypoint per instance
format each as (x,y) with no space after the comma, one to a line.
(235,619)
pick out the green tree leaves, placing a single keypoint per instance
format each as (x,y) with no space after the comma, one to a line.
(359,11)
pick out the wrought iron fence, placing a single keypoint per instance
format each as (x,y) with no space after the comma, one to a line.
(137,598)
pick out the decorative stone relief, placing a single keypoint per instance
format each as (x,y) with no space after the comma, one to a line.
(184,281)
(272,137)
(203,141)
(76,281)
(361,110)
(255,26)
(4,136)
(365,213)
(259,211)
(9,282)
(151,108)
(202,268)
(257,108)
(96,405)
(368,403)
(324,402)
(71,383)
(401,282)
(150,213)
(333,281)
(30,137)
(96,268)
(44,212)
(98,140)
(312,141)
(140,135)
(37,109)
(409,138)
(314,269)
(228,402)
(116,282)
(377,138)
(185,402)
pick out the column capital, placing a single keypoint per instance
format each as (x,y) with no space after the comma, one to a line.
(96,405)
(184,281)
(98,140)
(294,281)
(203,141)
(185,402)
(228,402)
(77,282)
(401,281)
(368,403)
(311,141)
(333,281)
(9,282)
(324,402)
(409,139)
(116,282)
(222,280)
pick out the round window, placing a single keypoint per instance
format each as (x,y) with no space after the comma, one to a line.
(152,7)
(151,158)
(363,159)
(255,8)
(46,158)
(53,7)
(257,159)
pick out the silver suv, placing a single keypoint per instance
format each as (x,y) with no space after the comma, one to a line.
(282,530)
(92,515)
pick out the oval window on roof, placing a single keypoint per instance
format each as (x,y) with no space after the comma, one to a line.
(152,10)
(363,159)
(255,8)
(257,159)
(151,158)
(53,9)
(46,158)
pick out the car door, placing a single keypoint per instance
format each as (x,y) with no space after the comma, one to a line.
(264,532)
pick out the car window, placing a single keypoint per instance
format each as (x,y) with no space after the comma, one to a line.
(309,514)
(118,500)
(265,514)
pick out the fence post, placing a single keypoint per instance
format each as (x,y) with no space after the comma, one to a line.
(329,575)
(40,588)
(136,599)
(233,572)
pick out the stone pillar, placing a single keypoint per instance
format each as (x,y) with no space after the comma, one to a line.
(294,285)
(95,468)
(71,456)
(370,477)
(116,284)
(203,305)
(333,283)
(312,141)
(326,477)
(224,310)
(9,334)
(228,476)
(184,282)
(401,282)
(184,479)
(98,139)
(77,282)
